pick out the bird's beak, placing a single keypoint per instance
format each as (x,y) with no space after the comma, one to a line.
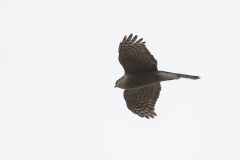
(115,86)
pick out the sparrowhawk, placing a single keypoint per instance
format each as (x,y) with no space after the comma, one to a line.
(141,80)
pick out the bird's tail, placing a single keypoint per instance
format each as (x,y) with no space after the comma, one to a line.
(170,76)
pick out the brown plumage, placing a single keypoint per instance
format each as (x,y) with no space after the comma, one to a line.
(141,80)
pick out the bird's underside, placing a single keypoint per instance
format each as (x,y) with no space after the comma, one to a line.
(141,80)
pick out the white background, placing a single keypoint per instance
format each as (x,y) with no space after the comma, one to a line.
(59,64)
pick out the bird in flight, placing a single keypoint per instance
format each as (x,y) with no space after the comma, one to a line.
(141,81)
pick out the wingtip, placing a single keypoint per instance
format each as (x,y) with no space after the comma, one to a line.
(124,39)
(129,37)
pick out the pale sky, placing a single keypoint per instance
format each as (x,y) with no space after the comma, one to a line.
(59,64)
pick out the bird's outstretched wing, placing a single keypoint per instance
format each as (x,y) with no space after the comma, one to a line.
(134,56)
(141,101)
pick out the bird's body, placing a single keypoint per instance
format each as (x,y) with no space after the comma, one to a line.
(141,80)
(138,80)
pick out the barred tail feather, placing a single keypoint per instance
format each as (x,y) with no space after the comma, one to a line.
(171,76)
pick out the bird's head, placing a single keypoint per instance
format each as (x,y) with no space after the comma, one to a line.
(119,83)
